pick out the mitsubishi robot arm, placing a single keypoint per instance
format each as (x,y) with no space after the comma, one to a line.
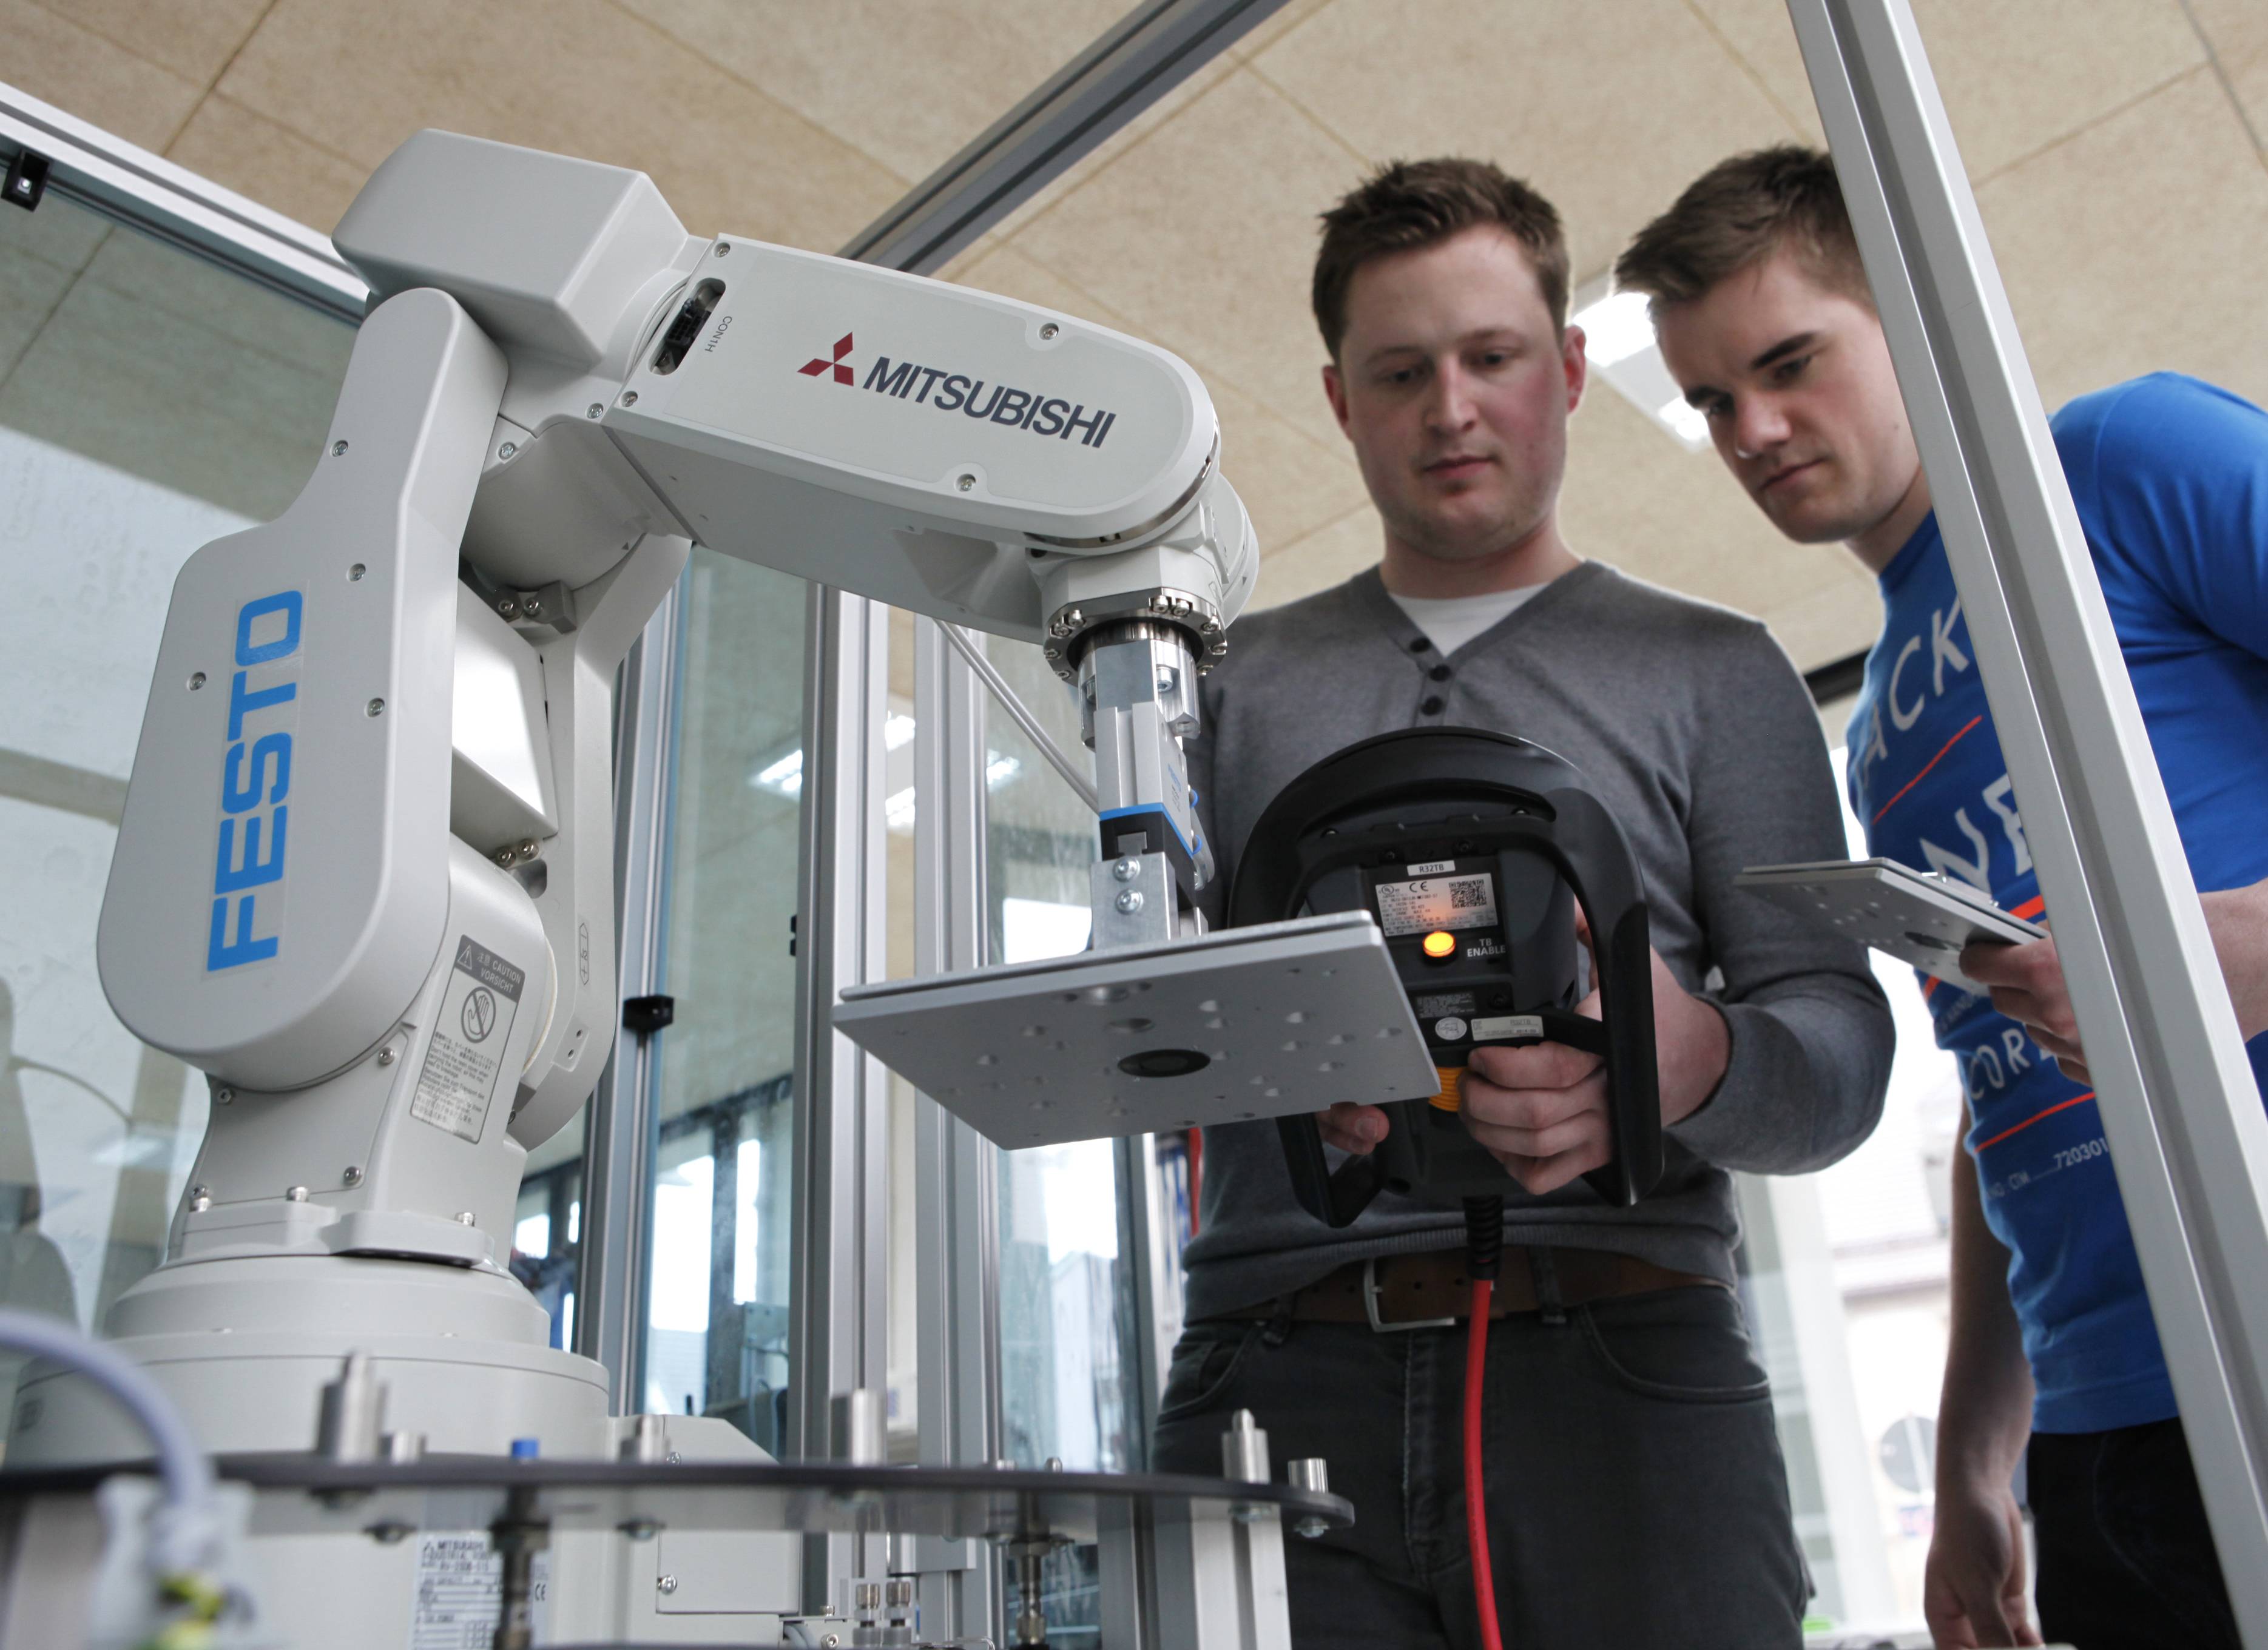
(367,846)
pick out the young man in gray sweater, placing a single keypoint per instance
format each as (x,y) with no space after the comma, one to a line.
(1635,1491)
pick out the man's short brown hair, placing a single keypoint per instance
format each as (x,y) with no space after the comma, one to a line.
(1737,214)
(1410,204)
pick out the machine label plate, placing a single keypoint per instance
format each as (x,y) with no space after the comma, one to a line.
(1508,1026)
(460,1592)
(466,1057)
(1426,903)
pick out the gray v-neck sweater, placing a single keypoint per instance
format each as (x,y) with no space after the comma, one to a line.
(1694,730)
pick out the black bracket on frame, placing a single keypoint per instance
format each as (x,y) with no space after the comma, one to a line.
(27,179)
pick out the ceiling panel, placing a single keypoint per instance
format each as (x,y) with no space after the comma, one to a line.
(908,84)
(2238,29)
(2138,245)
(194,41)
(86,74)
(1608,110)
(1758,33)
(2019,75)
(581,77)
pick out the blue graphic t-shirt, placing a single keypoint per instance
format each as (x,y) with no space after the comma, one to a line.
(2170,476)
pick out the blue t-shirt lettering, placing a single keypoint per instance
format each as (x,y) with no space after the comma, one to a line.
(2170,477)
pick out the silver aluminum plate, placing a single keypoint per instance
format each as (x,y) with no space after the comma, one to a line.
(1920,918)
(1289,1017)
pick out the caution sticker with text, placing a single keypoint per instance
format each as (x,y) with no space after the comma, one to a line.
(464,1060)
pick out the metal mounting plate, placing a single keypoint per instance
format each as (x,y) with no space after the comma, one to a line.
(1919,918)
(1289,1017)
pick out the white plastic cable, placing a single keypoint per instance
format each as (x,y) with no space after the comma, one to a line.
(183,1539)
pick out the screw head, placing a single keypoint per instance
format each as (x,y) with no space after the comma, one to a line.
(594,409)
(722,250)
(385,1057)
(1311,1527)
(352,1177)
(1126,870)
(507,449)
(1049,330)
(295,1194)
(465,1218)
(531,606)
(376,707)
(965,482)
(338,449)
(199,1203)
(196,681)
(528,850)
(509,606)
(355,573)
(1128,901)
(1164,680)
(505,855)
(640,1528)
(666,1583)
(225,1094)
(629,398)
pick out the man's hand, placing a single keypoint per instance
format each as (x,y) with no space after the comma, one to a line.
(1972,1591)
(1541,1110)
(2026,982)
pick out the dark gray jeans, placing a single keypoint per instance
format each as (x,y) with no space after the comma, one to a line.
(1636,1495)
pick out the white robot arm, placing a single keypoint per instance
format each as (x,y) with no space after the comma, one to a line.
(367,843)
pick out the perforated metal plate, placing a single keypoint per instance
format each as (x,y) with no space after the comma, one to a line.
(1920,918)
(1288,1017)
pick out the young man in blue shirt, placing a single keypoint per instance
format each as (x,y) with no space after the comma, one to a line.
(1766,322)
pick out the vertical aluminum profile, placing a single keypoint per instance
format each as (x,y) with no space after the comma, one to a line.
(837,1332)
(956,1190)
(2180,1107)
(1149,1314)
(614,1246)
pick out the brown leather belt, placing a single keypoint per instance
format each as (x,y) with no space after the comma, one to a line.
(1431,1291)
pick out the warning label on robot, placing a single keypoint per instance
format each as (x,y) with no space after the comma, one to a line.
(460,1592)
(466,1057)
(1427,903)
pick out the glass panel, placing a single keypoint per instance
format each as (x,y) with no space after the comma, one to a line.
(1066,1291)
(717,1288)
(1845,1276)
(148,403)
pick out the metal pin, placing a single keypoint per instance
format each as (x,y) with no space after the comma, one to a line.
(465,1218)
(295,1194)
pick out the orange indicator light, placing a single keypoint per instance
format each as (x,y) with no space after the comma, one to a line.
(1439,943)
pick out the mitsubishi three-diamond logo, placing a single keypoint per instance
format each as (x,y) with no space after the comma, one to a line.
(817,365)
